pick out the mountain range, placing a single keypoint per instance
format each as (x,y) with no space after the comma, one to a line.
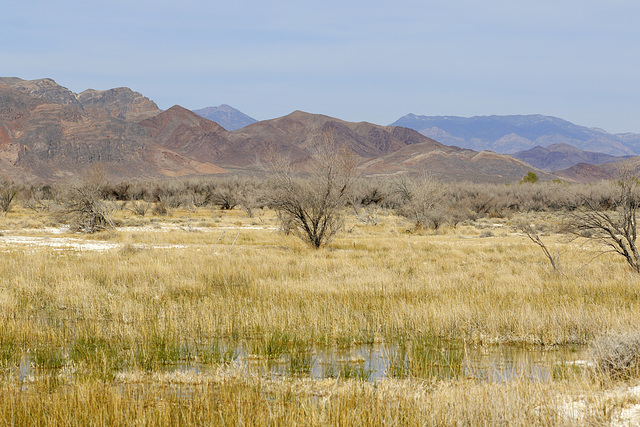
(562,156)
(512,134)
(226,116)
(48,132)
(378,150)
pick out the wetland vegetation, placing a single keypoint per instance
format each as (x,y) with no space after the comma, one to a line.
(196,312)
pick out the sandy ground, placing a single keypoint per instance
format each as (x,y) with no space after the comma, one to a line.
(57,238)
(625,401)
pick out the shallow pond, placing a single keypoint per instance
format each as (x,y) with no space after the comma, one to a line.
(429,360)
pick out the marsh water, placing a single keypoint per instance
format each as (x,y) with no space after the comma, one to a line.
(379,360)
(375,361)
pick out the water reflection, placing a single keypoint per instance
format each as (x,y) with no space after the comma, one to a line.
(429,360)
(426,358)
(505,362)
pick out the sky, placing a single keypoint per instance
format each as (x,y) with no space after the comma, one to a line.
(358,60)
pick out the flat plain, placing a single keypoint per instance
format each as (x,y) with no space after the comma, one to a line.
(211,317)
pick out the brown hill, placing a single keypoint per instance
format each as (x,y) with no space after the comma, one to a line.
(122,103)
(451,164)
(187,133)
(583,172)
(592,173)
(42,139)
(299,134)
(562,156)
(46,89)
(14,106)
(381,150)
(296,135)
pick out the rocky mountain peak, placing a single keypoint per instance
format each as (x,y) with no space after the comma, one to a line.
(122,103)
(45,88)
(226,116)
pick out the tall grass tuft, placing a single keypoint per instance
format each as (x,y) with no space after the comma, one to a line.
(428,357)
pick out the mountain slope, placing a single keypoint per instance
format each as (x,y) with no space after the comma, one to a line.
(378,150)
(43,139)
(510,134)
(296,136)
(55,137)
(562,156)
(186,133)
(122,103)
(49,132)
(226,116)
(299,134)
(583,172)
(46,89)
(631,140)
(449,163)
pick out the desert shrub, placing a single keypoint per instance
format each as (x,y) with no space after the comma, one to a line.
(166,204)
(142,190)
(541,197)
(199,193)
(37,198)
(139,207)
(83,206)
(617,355)
(253,197)
(421,201)
(8,192)
(167,196)
(480,202)
(431,204)
(313,207)
(367,198)
(120,191)
(226,195)
(529,178)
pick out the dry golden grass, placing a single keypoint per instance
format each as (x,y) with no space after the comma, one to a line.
(98,326)
(232,397)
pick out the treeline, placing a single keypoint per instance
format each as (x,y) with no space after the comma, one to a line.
(427,203)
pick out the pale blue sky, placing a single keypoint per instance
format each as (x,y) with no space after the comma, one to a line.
(356,60)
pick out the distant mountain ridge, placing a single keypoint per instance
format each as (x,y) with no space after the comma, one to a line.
(48,132)
(378,150)
(511,134)
(562,156)
(226,116)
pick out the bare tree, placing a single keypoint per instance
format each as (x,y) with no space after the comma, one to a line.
(252,200)
(84,206)
(366,202)
(313,207)
(532,234)
(8,191)
(38,198)
(613,221)
(423,201)
(227,194)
